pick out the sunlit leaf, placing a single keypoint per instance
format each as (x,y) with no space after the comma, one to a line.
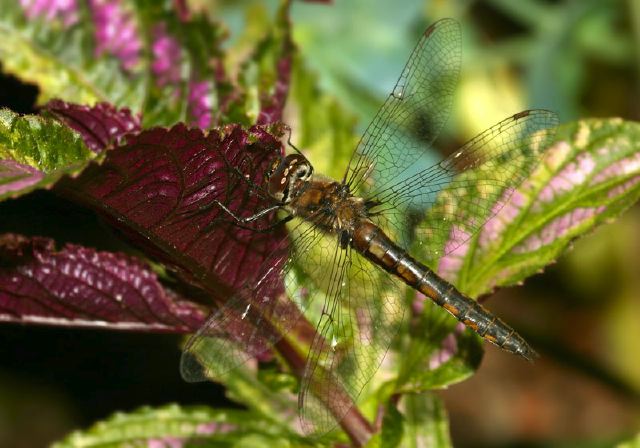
(633,443)
(35,152)
(426,422)
(587,176)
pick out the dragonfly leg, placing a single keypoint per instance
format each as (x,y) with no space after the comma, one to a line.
(270,227)
(247,219)
(239,222)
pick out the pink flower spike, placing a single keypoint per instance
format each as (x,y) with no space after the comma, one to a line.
(63,10)
(200,103)
(166,56)
(116,32)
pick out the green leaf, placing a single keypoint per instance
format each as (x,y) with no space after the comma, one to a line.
(421,420)
(392,426)
(442,353)
(588,176)
(426,422)
(35,152)
(632,443)
(264,397)
(192,426)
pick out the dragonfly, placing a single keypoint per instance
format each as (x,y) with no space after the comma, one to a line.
(347,253)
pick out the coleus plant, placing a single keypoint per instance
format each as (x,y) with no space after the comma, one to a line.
(150,130)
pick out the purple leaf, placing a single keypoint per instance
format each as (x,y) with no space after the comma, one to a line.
(160,190)
(99,125)
(78,286)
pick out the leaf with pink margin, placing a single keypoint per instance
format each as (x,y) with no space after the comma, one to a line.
(189,80)
(35,152)
(18,177)
(100,125)
(81,287)
(99,56)
(588,176)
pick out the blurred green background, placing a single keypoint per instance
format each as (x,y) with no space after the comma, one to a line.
(580,58)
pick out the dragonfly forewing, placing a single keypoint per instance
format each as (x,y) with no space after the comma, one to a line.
(414,113)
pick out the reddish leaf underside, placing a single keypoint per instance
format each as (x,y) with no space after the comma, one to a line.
(160,190)
(99,125)
(82,287)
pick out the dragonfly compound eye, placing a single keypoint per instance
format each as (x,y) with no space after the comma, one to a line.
(304,171)
(292,169)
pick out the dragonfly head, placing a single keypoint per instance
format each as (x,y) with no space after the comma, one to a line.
(286,175)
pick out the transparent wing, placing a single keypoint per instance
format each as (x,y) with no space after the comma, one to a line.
(413,115)
(468,187)
(360,317)
(250,322)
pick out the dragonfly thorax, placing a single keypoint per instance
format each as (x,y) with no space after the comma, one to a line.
(287,176)
(329,205)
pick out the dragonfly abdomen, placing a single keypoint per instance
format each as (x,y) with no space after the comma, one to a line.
(370,241)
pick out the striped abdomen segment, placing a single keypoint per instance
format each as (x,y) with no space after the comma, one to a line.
(370,241)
